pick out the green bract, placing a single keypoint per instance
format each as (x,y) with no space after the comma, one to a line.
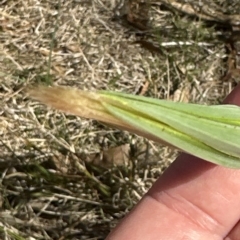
(208,132)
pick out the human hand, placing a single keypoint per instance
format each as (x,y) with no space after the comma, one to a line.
(192,200)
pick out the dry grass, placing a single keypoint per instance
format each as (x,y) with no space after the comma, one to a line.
(49,190)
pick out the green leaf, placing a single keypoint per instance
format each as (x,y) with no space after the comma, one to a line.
(208,132)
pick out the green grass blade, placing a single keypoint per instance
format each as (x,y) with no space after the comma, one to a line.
(178,139)
(208,132)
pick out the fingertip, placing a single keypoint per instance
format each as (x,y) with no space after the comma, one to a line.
(233,97)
